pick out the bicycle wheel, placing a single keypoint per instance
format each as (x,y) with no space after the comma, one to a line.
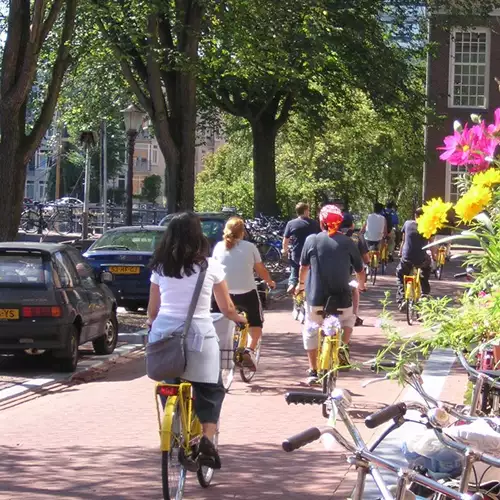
(227,375)
(61,223)
(173,473)
(439,272)
(383,265)
(270,256)
(245,373)
(204,473)
(373,275)
(29,221)
(328,378)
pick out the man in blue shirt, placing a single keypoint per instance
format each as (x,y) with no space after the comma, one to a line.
(296,233)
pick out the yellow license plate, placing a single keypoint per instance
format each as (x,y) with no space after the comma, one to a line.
(9,314)
(125,269)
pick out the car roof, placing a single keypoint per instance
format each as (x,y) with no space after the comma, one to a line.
(33,246)
(209,215)
(131,229)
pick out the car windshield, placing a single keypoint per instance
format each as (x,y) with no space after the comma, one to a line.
(21,269)
(212,229)
(138,241)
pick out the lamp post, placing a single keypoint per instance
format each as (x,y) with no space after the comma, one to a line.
(88,140)
(133,117)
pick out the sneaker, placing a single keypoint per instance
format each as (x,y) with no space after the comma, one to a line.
(359,321)
(401,306)
(312,377)
(207,454)
(344,358)
(249,360)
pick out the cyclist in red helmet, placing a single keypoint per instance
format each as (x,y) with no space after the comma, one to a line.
(325,271)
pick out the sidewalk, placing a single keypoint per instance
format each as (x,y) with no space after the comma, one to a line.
(100,440)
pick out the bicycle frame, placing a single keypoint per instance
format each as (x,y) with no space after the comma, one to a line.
(374,258)
(180,394)
(412,286)
(384,252)
(441,260)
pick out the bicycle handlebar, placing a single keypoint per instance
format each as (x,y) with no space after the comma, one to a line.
(301,439)
(382,416)
(306,398)
(475,374)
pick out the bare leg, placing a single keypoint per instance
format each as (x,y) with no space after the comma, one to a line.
(313,359)
(355,301)
(255,333)
(209,430)
(346,337)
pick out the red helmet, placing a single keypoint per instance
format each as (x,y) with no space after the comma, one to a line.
(331,218)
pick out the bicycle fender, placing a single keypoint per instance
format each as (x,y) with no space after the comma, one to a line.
(166,425)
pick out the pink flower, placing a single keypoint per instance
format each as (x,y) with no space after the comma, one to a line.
(471,146)
(494,129)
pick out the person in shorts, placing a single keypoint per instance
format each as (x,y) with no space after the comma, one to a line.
(296,232)
(325,270)
(375,228)
(240,259)
(347,228)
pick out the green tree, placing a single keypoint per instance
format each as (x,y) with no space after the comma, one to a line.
(262,59)
(151,188)
(156,45)
(38,39)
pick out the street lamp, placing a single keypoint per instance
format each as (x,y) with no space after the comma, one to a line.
(133,117)
(88,140)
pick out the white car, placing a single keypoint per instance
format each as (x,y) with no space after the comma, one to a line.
(67,201)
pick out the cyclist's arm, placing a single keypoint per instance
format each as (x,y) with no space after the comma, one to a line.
(303,270)
(363,229)
(263,273)
(226,305)
(285,245)
(154,303)
(385,228)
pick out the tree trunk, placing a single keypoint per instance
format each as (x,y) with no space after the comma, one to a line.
(264,132)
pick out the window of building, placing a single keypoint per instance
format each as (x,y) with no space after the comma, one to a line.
(154,155)
(121,182)
(41,190)
(453,174)
(469,68)
(30,189)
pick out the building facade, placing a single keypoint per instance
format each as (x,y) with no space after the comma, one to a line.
(38,169)
(461,81)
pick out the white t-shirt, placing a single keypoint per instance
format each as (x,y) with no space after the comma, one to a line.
(238,264)
(375,225)
(176,294)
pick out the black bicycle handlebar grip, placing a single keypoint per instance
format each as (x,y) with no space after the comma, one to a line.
(383,364)
(306,398)
(384,415)
(301,439)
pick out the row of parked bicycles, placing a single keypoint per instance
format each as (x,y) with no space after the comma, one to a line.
(463,441)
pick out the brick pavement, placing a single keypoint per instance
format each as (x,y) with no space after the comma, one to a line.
(99,439)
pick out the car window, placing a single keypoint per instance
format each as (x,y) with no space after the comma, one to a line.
(141,241)
(65,270)
(19,268)
(85,271)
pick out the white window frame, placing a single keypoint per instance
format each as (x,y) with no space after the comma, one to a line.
(450,178)
(451,73)
(154,154)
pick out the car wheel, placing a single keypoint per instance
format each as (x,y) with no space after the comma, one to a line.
(69,359)
(107,343)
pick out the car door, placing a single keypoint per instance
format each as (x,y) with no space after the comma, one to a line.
(72,294)
(99,307)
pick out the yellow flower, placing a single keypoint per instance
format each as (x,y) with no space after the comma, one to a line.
(486,178)
(434,217)
(473,202)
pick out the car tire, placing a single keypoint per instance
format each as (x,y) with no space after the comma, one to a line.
(107,343)
(68,361)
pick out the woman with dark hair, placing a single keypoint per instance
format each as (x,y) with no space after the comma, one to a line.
(182,253)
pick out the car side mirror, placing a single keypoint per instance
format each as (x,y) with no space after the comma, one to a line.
(106,277)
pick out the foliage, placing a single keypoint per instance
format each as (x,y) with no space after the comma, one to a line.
(359,156)
(151,188)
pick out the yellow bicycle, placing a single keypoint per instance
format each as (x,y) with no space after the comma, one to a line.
(413,292)
(180,433)
(299,312)
(441,260)
(384,256)
(328,360)
(374,256)
(240,343)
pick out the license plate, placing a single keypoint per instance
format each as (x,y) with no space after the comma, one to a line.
(9,314)
(125,269)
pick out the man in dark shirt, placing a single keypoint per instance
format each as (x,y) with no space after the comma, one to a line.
(296,232)
(326,262)
(412,255)
(347,228)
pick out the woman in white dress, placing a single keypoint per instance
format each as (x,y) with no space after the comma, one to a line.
(176,264)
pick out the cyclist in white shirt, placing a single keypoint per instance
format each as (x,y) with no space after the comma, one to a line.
(375,228)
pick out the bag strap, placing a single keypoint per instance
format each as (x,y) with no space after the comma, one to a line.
(194,300)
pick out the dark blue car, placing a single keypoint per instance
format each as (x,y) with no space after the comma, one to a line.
(126,253)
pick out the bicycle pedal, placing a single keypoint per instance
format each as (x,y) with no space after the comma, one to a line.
(188,463)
